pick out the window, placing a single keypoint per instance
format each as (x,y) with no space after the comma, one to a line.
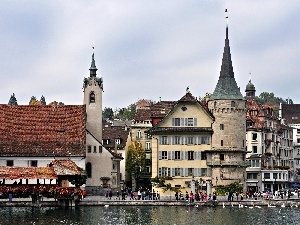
(255,163)
(88,168)
(190,155)
(113,166)
(203,156)
(221,142)
(176,122)
(222,156)
(190,122)
(100,149)
(89,149)
(139,134)
(176,140)
(232,103)
(9,163)
(92,97)
(251,176)
(189,140)
(204,140)
(190,171)
(148,145)
(254,149)
(221,126)
(33,163)
(148,169)
(298,140)
(266,175)
(254,136)
(164,171)
(164,155)
(118,141)
(164,140)
(177,172)
(95,149)
(177,155)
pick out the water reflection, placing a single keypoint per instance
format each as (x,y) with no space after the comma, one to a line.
(134,215)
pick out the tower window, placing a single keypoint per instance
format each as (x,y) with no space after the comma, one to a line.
(221,126)
(88,168)
(92,97)
(232,103)
(221,142)
(222,157)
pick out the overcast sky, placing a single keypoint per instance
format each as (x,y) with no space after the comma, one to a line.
(146,49)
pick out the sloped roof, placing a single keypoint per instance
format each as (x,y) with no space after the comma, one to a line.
(65,167)
(112,133)
(188,97)
(142,114)
(12,173)
(42,130)
(291,113)
(160,109)
(57,168)
(258,114)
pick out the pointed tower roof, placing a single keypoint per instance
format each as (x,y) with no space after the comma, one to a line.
(226,87)
(93,68)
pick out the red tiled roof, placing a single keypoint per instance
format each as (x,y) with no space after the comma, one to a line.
(12,173)
(291,113)
(111,133)
(142,115)
(65,167)
(142,104)
(42,130)
(57,168)
(160,109)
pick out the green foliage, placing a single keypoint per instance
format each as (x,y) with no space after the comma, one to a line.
(33,100)
(13,100)
(273,101)
(160,181)
(81,180)
(108,113)
(233,187)
(127,113)
(136,159)
(43,100)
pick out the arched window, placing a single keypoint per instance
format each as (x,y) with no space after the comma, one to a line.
(88,168)
(92,97)
(232,103)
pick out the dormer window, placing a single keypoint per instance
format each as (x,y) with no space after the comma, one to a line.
(92,97)
(118,141)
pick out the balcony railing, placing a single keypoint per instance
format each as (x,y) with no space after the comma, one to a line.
(227,163)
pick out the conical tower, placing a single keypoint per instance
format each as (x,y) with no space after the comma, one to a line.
(227,157)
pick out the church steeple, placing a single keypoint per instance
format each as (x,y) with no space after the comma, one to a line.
(93,68)
(226,87)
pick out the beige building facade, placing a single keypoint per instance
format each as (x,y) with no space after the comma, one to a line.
(179,144)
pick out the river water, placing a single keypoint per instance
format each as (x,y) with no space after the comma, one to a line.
(143,215)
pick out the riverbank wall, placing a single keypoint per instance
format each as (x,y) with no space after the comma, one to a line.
(116,202)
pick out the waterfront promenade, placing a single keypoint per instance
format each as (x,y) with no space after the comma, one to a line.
(163,201)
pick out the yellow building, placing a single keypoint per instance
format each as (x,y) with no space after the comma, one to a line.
(179,144)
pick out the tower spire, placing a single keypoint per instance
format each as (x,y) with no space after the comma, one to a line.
(93,68)
(226,87)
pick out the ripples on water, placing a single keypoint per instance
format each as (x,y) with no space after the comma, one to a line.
(143,215)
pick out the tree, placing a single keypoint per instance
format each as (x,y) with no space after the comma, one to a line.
(43,101)
(135,160)
(274,102)
(33,101)
(13,100)
(80,180)
(108,113)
